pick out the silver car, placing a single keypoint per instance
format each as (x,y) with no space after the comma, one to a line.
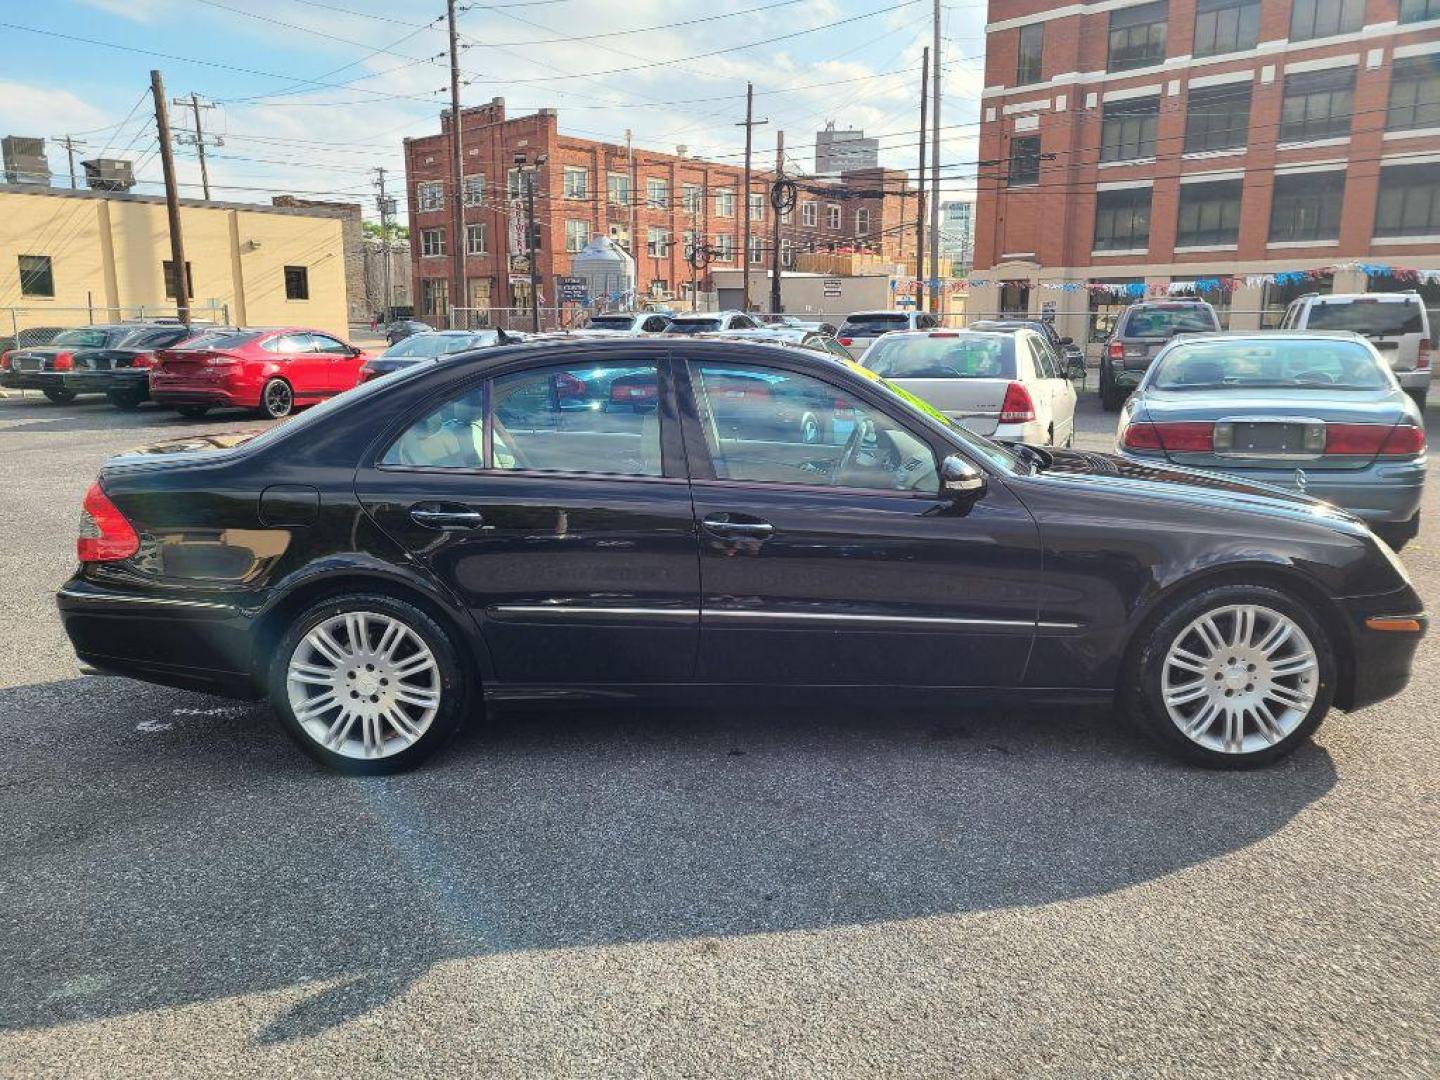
(1317,413)
(626,323)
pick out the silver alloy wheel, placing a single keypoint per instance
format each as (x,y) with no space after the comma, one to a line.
(1240,678)
(278,398)
(363,685)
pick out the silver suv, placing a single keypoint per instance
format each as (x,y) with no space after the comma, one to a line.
(860,328)
(1395,323)
(1143,330)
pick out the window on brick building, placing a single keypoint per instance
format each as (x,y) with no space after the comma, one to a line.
(657,193)
(577,234)
(757,207)
(1128,131)
(1024,161)
(1137,36)
(1209,214)
(617,189)
(434,296)
(1223,26)
(1306,206)
(832,216)
(725,202)
(809,214)
(577,182)
(474,190)
(692,196)
(515,183)
(1324,18)
(1218,118)
(1122,220)
(724,248)
(862,221)
(1317,105)
(787,254)
(1419,10)
(1028,64)
(475,239)
(1414,94)
(687,243)
(430,195)
(1409,203)
(657,242)
(432,241)
(757,250)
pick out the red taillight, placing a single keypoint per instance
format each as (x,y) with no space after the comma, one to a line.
(221,360)
(64,361)
(1117,350)
(143,360)
(1422,361)
(846,341)
(1173,438)
(623,392)
(105,534)
(1018,407)
(5,361)
(1368,440)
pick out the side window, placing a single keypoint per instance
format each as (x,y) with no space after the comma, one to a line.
(1292,316)
(450,437)
(291,344)
(654,325)
(774,426)
(742,322)
(323,343)
(1044,360)
(598,418)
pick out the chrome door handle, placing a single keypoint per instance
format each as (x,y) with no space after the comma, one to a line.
(722,527)
(434,518)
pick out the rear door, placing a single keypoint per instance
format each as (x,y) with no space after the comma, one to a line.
(838,562)
(567,533)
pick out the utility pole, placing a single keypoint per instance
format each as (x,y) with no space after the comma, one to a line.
(70,145)
(920,201)
(633,216)
(775,266)
(387,208)
(750,125)
(172,199)
(935,163)
(530,246)
(457,170)
(195,106)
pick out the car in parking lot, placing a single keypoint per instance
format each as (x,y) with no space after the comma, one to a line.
(1006,384)
(796,322)
(799,337)
(271,370)
(419,347)
(25,337)
(382,565)
(1317,413)
(1070,355)
(1397,324)
(100,359)
(627,322)
(860,328)
(1142,330)
(709,322)
(399,329)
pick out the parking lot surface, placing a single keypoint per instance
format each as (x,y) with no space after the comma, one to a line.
(742,889)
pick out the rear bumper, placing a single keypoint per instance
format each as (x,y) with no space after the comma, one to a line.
(29,380)
(129,380)
(1381,659)
(196,392)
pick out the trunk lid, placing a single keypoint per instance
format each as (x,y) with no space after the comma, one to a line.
(975,403)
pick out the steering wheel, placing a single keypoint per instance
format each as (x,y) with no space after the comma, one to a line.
(852,448)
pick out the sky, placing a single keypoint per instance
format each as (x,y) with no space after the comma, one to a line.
(311,95)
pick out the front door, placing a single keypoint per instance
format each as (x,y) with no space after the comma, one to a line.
(828,555)
(562,523)
(338,364)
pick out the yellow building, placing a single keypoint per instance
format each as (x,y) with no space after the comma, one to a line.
(74,257)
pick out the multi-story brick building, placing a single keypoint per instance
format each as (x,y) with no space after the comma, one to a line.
(1164,143)
(653,204)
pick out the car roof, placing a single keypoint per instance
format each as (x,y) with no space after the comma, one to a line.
(703,314)
(947,332)
(1348,298)
(881,311)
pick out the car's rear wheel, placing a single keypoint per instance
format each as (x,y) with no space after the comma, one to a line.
(59,395)
(127,400)
(1111,395)
(367,684)
(192,412)
(1235,677)
(277,400)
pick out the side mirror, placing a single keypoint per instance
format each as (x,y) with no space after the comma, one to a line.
(958,477)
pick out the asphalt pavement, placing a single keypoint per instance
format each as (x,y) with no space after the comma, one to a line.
(740,889)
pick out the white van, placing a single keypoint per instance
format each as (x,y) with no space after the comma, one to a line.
(1395,323)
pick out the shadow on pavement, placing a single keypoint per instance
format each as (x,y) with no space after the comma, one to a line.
(161,849)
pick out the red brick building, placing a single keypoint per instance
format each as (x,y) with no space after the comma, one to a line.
(1170,141)
(584,188)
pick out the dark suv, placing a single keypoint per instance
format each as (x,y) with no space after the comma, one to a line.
(1142,331)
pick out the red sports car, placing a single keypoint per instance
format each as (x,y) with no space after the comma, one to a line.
(274,370)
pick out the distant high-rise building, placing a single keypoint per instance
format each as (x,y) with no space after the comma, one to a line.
(845,149)
(957,232)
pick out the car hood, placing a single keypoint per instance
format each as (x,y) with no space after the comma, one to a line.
(1162,481)
(1336,406)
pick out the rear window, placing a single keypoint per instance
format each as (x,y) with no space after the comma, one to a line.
(693,326)
(437,344)
(612,322)
(87,337)
(1167,321)
(1314,364)
(1378,318)
(967,356)
(869,325)
(220,339)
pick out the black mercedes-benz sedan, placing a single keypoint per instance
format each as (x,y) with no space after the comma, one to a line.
(458,531)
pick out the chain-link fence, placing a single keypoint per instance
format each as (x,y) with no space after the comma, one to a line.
(35,325)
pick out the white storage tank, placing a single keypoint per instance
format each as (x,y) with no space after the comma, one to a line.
(608,270)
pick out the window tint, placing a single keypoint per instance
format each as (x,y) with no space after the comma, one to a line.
(654,324)
(323,343)
(595,418)
(85,338)
(222,339)
(869,325)
(964,356)
(763,424)
(693,326)
(1167,320)
(1378,318)
(291,343)
(1044,360)
(1329,365)
(450,437)
(159,339)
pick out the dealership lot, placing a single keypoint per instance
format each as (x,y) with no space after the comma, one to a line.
(747,889)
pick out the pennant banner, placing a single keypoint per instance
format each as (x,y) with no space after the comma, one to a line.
(1406,274)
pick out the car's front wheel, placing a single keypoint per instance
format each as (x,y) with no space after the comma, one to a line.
(368,684)
(1234,677)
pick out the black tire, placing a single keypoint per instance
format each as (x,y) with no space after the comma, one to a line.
(192,412)
(1111,395)
(128,401)
(59,395)
(1143,702)
(453,683)
(277,399)
(1398,533)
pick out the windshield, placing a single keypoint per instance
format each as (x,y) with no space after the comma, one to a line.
(85,338)
(219,339)
(436,344)
(1378,318)
(693,326)
(881,323)
(612,322)
(951,356)
(1313,364)
(1168,320)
